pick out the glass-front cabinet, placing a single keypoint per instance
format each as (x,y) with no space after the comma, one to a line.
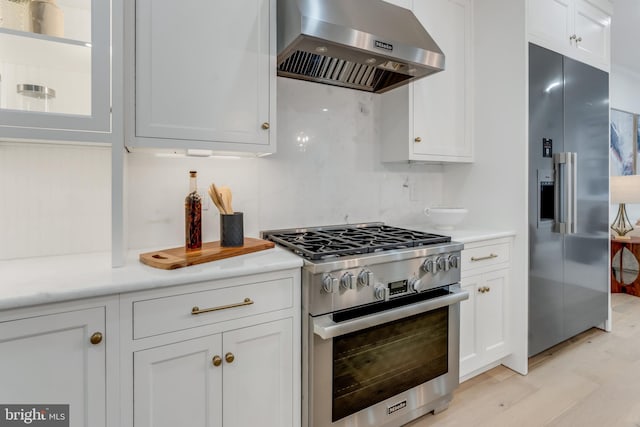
(55,69)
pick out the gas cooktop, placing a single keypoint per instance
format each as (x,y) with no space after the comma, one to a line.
(320,243)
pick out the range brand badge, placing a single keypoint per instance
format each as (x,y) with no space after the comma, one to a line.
(383,45)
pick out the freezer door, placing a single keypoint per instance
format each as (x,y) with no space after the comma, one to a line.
(546,137)
(586,249)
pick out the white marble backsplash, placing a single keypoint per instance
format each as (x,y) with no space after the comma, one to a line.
(56,199)
(327,171)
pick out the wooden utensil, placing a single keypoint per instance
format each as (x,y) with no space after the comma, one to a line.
(214,193)
(225,195)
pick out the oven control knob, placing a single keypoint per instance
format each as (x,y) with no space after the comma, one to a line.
(381,292)
(441,264)
(428,266)
(454,261)
(329,283)
(414,284)
(348,281)
(365,277)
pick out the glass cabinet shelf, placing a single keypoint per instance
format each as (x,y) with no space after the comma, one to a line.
(63,65)
(52,39)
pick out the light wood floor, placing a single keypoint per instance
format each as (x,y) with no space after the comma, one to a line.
(592,380)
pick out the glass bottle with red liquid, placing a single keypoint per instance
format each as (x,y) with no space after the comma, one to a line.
(193,215)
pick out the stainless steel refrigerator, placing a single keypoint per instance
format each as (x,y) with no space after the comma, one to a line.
(568,197)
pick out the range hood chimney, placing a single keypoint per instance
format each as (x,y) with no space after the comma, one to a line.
(368,45)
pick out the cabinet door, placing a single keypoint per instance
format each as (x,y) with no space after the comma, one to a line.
(593,26)
(469,327)
(442,102)
(203,73)
(178,384)
(55,76)
(258,384)
(491,315)
(50,360)
(551,21)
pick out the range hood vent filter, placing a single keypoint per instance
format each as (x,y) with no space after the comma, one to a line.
(319,68)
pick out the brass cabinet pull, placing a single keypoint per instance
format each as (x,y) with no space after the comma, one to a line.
(196,310)
(229,357)
(265,125)
(418,139)
(482,258)
(484,289)
(217,360)
(96,338)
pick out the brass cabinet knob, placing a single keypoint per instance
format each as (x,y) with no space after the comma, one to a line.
(229,357)
(96,338)
(217,360)
(265,125)
(418,139)
(487,289)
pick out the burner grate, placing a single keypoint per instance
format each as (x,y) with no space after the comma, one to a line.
(331,242)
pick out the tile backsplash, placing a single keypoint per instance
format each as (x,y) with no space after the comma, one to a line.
(327,171)
(56,199)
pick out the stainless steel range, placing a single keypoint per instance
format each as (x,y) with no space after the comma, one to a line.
(381,322)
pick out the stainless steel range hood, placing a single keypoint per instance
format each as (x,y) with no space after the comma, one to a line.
(367,45)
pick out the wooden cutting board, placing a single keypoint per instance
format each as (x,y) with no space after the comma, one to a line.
(170,259)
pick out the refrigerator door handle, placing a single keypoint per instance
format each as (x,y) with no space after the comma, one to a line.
(560,193)
(569,190)
(574,193)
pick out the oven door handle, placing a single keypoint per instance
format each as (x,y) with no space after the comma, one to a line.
(326,328)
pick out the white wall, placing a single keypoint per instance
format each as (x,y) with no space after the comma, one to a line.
(624,89)
(494,187)
(334,177)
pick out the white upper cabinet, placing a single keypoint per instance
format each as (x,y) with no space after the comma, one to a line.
(201,75)
(55,70)
(579,29)
(430,120)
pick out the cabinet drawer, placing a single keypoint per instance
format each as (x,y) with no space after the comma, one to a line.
(484,256)
(174,313)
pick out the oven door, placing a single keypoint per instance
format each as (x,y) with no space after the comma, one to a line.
(385,367)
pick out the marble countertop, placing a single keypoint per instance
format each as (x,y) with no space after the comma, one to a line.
(32,281)
(464,235)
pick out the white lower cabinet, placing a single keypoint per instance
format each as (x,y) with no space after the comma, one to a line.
(57,355)
(484,326)
(238,378)
(176,383)
(234,363)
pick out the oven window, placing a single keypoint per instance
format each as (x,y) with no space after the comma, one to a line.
(377,363)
